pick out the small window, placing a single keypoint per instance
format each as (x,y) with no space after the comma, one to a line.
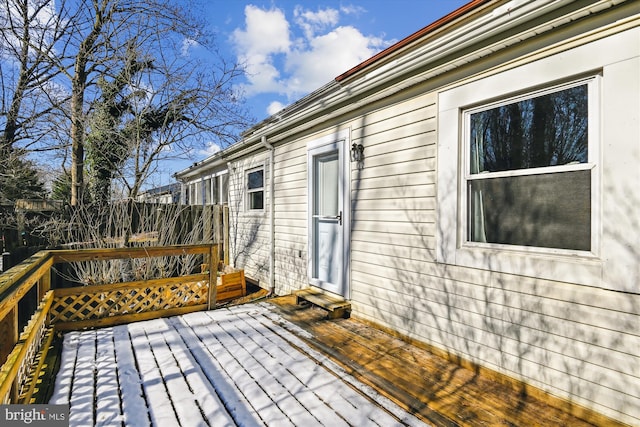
(255,189)
(528,171)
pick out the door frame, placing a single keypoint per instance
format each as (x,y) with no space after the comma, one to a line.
(339,141)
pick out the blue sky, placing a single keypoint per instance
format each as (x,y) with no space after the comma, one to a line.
(291,48)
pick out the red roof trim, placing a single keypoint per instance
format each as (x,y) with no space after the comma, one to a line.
(402,43)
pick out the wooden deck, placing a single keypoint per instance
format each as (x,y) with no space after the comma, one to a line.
(245,365)
(435,390)
(279,363)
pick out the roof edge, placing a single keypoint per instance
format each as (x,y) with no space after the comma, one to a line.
(462,10)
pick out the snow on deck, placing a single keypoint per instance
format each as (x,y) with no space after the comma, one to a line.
(241,366)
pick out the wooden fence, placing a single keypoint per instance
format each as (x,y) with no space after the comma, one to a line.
(22,354)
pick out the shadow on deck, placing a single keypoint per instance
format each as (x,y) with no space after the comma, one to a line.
(277,362)
(435,390)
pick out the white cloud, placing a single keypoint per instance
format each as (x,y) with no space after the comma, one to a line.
(210,150)
(352,10)
(187,44)
(266,33)
(313,22)
(274,107)
(40,24)
(328,56)
(279,62)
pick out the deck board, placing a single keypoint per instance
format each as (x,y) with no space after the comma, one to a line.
(156,395)
(134,406)
(277,364)
(293,372)
(437,390)
(108,399)
(83,379)
(202,346)
(238,366)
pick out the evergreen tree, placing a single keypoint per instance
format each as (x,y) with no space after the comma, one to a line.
(19,180)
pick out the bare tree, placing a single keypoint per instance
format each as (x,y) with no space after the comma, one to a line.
(177,102)
(183,111)
(29,31)
(123,81)
(28,98)
(154,225)
(108,140)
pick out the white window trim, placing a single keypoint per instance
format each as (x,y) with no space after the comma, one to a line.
(452,247)
(247,202)
(593,88)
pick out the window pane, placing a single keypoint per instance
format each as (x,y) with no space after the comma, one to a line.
(197,188)
(256,200)
(549,210)
(547,130)
(207,191)
(255,179)
(326,182)
(224,185)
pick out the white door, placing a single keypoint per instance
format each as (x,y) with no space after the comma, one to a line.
(327,219)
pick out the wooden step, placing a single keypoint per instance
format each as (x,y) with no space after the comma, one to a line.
(336,307)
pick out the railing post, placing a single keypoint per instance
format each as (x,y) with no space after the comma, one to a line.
(44,284)
(218,227)
(225,230)
(8,333)
(8,339)
(213,275)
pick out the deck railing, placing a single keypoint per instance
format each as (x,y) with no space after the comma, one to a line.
(22,354)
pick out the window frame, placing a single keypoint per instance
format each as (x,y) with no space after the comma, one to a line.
(249,192)
(451,247)
(593,159)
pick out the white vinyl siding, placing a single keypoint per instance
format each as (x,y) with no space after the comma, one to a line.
(249,229)
(513,325)
(291,216)
(552,326)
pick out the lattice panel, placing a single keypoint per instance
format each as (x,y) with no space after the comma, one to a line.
(87,305)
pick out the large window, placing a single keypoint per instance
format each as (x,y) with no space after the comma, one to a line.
(537,163)
(255,189)
(528,170)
